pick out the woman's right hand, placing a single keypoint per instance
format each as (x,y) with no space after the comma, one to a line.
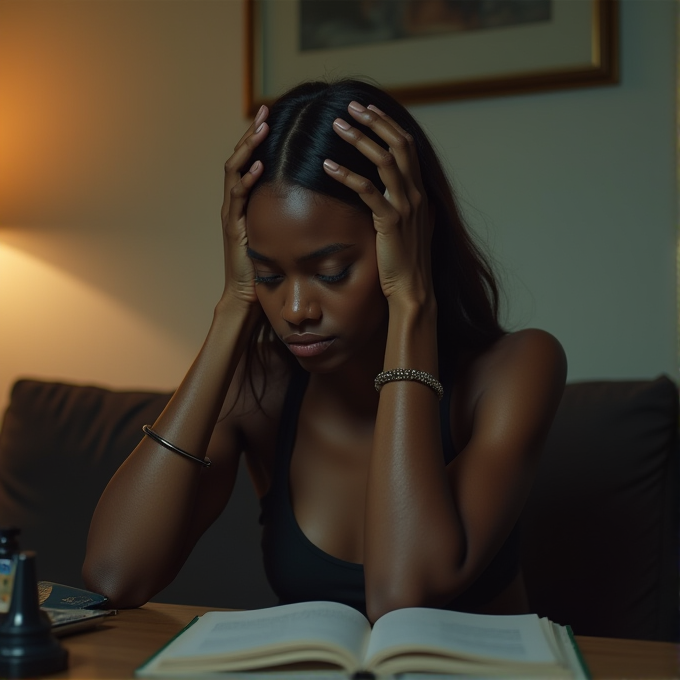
(239,281)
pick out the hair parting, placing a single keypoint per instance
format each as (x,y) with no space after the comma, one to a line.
(301,137)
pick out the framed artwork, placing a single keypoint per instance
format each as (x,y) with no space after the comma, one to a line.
(431,50)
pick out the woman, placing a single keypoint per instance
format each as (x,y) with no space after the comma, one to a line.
(346,261)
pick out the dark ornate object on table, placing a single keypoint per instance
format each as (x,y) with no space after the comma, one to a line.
(27,646)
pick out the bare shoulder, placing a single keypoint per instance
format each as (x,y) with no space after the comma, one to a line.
(514,386)
(530,352)
(515,356)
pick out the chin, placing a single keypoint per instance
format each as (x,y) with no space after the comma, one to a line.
(321,364)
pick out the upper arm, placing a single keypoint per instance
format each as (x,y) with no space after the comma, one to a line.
(512,393)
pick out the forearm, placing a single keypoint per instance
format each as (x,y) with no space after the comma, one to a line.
(140,529)
(413,533)
(189,418)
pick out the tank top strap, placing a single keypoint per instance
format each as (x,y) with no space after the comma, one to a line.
(295,392)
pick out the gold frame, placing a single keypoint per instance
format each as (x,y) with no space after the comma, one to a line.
(603,70)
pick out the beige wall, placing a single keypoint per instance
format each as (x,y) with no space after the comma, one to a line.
(116,117)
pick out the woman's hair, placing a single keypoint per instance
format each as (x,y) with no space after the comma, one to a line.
(301,137)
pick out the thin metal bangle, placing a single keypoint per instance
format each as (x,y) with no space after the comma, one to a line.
(171,447)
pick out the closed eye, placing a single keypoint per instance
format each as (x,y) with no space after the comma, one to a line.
(272,278)
(334,278)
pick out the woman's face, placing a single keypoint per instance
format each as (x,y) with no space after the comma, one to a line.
(317,275)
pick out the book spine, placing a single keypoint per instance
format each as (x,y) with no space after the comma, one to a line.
(577,652)
(138,671)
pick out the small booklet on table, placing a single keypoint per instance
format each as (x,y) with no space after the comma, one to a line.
(70,609)
(328,635)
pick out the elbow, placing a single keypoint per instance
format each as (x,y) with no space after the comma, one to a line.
(121,592)
(386,600)
(429,581)
(383,603)
(416,591)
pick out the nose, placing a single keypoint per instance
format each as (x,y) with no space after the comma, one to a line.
(300,304)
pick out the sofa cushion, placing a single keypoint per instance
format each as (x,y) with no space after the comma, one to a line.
(59,446)
(600,529)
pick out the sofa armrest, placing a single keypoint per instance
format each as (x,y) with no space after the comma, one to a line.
(59,446)
(600,529)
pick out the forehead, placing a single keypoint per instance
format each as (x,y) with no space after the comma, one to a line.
(298,221)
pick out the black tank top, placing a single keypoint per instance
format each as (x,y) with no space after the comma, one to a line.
(299,571)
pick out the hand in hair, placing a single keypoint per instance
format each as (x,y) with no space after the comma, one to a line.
(401,215)
(239,274)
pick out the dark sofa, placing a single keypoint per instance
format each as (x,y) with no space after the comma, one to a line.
(599,533)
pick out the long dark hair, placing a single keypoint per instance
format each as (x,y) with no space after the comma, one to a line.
(301,137)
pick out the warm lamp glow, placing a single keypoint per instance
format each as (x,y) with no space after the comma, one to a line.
(64,126)
(63,328)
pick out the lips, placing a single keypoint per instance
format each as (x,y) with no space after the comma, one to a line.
(308,344)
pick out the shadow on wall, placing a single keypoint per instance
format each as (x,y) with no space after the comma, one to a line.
(172,287)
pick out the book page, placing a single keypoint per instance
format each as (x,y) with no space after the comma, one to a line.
(238,632)
(503,638)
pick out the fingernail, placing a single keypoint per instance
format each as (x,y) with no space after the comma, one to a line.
(259,128)
(339,122)
(255,167)
(355,106)
(376,109)
(333,167)
(259,113)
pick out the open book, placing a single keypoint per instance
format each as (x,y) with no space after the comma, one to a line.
(332,635)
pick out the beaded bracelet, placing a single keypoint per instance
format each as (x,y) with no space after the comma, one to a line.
(409,374)
(171,447)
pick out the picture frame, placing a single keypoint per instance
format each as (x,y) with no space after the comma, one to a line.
(576,47)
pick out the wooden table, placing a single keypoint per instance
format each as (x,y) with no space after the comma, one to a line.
(125,641)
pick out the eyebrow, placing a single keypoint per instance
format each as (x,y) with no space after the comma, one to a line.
(322,252)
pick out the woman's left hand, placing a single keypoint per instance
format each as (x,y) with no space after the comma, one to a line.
(401,215)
